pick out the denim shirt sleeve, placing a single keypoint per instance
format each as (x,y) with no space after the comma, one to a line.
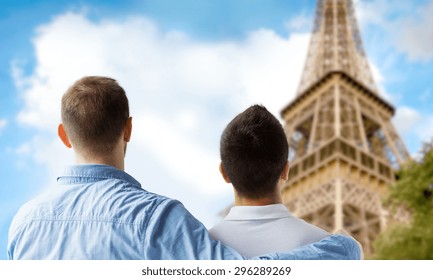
(173,233)
(333,247)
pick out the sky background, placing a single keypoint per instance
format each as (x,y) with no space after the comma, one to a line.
(188,68)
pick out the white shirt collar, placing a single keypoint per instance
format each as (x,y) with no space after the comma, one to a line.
(273,211)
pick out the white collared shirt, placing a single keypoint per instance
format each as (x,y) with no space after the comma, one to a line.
(255,230)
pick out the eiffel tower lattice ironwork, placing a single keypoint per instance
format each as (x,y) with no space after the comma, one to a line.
(343,147)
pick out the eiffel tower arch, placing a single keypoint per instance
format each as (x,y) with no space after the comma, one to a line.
(344,149)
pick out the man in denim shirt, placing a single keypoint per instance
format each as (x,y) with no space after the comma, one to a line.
(98,211)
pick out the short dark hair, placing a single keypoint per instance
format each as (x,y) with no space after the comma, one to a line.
(94,113)
(254,151)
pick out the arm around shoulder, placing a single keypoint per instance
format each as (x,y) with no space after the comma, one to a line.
(333,247)
(173,233)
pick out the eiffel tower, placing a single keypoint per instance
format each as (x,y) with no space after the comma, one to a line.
(344,149)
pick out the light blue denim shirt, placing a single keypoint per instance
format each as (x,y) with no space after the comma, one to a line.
(100,212)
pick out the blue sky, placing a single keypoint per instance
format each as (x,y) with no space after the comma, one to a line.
(188,68)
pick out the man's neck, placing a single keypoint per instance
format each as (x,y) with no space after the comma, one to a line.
(114,163)
(263,201)
(114,159)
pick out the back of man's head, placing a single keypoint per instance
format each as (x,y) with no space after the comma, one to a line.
(94,112)
(254,151)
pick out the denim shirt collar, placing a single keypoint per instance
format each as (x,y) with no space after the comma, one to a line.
(94,172)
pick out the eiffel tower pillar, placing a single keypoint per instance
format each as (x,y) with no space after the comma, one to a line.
(343,147)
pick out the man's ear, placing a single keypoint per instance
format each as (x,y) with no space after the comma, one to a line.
(63,136)
(285,172)
(128,130)
(223,173)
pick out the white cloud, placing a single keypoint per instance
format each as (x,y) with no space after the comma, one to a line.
(371,12)
(300,23)
(179,156)
(379,81)
(414,126)
(182,93)
(425,129)
(416,35)
(381,12)
(3,124)
(410,33)
(270,68)
(406,119)
(377,21)
(377,75)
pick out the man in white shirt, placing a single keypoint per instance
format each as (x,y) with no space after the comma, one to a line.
(254,154)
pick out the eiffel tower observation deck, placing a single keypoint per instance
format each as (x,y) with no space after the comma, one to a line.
(344,149)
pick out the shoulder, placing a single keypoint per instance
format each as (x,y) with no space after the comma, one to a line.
(219,230)
(35,207)
(32,210)
(138,206)
(170,213)
(169,206)
(311,231)
(214,231)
